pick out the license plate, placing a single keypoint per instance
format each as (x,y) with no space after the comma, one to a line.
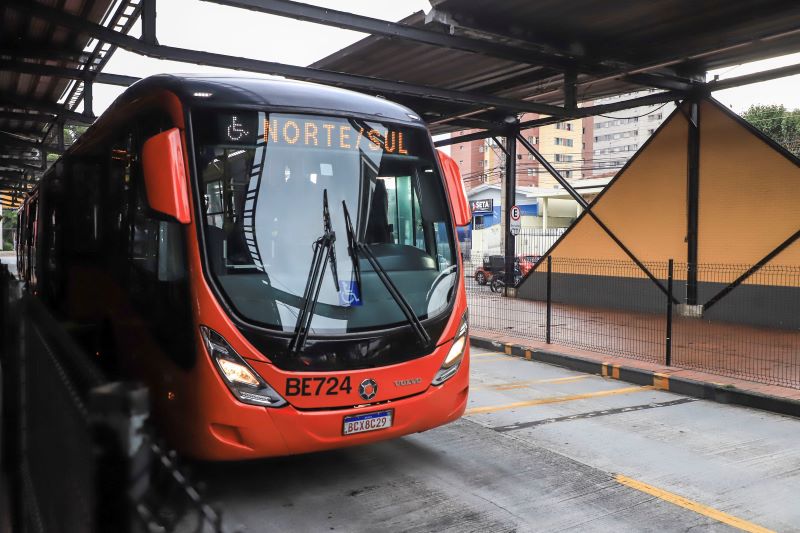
(367,422)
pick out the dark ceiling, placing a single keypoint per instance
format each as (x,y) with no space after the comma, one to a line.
(30,103)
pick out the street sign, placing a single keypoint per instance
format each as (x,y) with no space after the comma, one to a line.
(480,207)
(516,221)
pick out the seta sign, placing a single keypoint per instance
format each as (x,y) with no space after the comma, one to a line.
(482,206)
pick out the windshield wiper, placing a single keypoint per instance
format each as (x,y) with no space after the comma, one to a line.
(354,246)
(324,253)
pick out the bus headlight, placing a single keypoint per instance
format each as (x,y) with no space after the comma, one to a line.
(241,379)
(455,355)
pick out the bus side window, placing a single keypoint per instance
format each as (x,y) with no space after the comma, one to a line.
(84,198)
(159,282)
(144,245)
(116,201)
(171,261)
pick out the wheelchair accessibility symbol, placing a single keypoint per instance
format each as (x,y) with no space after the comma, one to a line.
(348,294)
(236,131)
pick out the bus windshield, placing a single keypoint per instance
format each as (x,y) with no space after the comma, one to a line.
(262,180)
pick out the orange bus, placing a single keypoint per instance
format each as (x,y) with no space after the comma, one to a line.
(276,260)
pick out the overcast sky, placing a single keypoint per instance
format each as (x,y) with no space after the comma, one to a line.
(204,26)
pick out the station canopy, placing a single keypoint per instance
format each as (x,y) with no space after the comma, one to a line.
(559,53)
(42,68)
(465,64)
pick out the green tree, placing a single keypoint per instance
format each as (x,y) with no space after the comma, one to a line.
(72,132)
(778,123)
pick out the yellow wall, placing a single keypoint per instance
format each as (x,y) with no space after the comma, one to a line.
(749,201)
(749,194)
(643,207)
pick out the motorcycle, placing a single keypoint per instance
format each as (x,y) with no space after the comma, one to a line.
(499,280)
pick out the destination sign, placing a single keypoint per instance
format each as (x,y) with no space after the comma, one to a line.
(306,131)
(338,135)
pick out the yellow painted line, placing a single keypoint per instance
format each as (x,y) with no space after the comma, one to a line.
(526,384)
(555,399)
(487,354)
(523,384)
(699,508)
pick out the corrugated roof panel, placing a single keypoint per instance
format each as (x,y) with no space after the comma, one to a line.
(616,38)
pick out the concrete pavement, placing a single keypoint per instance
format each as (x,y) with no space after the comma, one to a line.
(542,448)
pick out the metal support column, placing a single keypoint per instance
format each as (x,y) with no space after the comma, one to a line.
(149,21)
(60,135)
(668,343)
(509,200)
(570,90)
(692,202)
(88,99)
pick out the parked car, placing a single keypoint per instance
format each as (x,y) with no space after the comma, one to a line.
(527,262)
(492,264)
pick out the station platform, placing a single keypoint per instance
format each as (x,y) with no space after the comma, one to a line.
(724,389)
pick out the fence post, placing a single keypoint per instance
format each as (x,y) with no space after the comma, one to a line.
(549,298)
(669,313)
(118,414)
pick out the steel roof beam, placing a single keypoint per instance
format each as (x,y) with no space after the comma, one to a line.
(650,99)
(14,176)
(69,73)
(18,115)
(756,77)
(24,134)
(552,58)
(10,142)
(14,163)
(359,23)
(7,179)
(15,101)
(669,83)
(363,83)
(49,53)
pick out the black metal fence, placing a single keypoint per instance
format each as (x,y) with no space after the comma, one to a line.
(77,450)
(747,329)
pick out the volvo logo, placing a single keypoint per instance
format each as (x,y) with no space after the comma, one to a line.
(368,389)
(407,382)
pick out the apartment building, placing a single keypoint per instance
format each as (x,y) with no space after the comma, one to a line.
(619,135)
(564,144)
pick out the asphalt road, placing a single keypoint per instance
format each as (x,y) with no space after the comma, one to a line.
(540,449)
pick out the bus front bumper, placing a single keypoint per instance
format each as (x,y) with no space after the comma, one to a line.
(257,432)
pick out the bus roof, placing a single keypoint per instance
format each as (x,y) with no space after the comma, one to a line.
(257,92)
(252,92)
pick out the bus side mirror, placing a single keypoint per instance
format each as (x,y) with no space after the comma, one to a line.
(164,175)
(455,189)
